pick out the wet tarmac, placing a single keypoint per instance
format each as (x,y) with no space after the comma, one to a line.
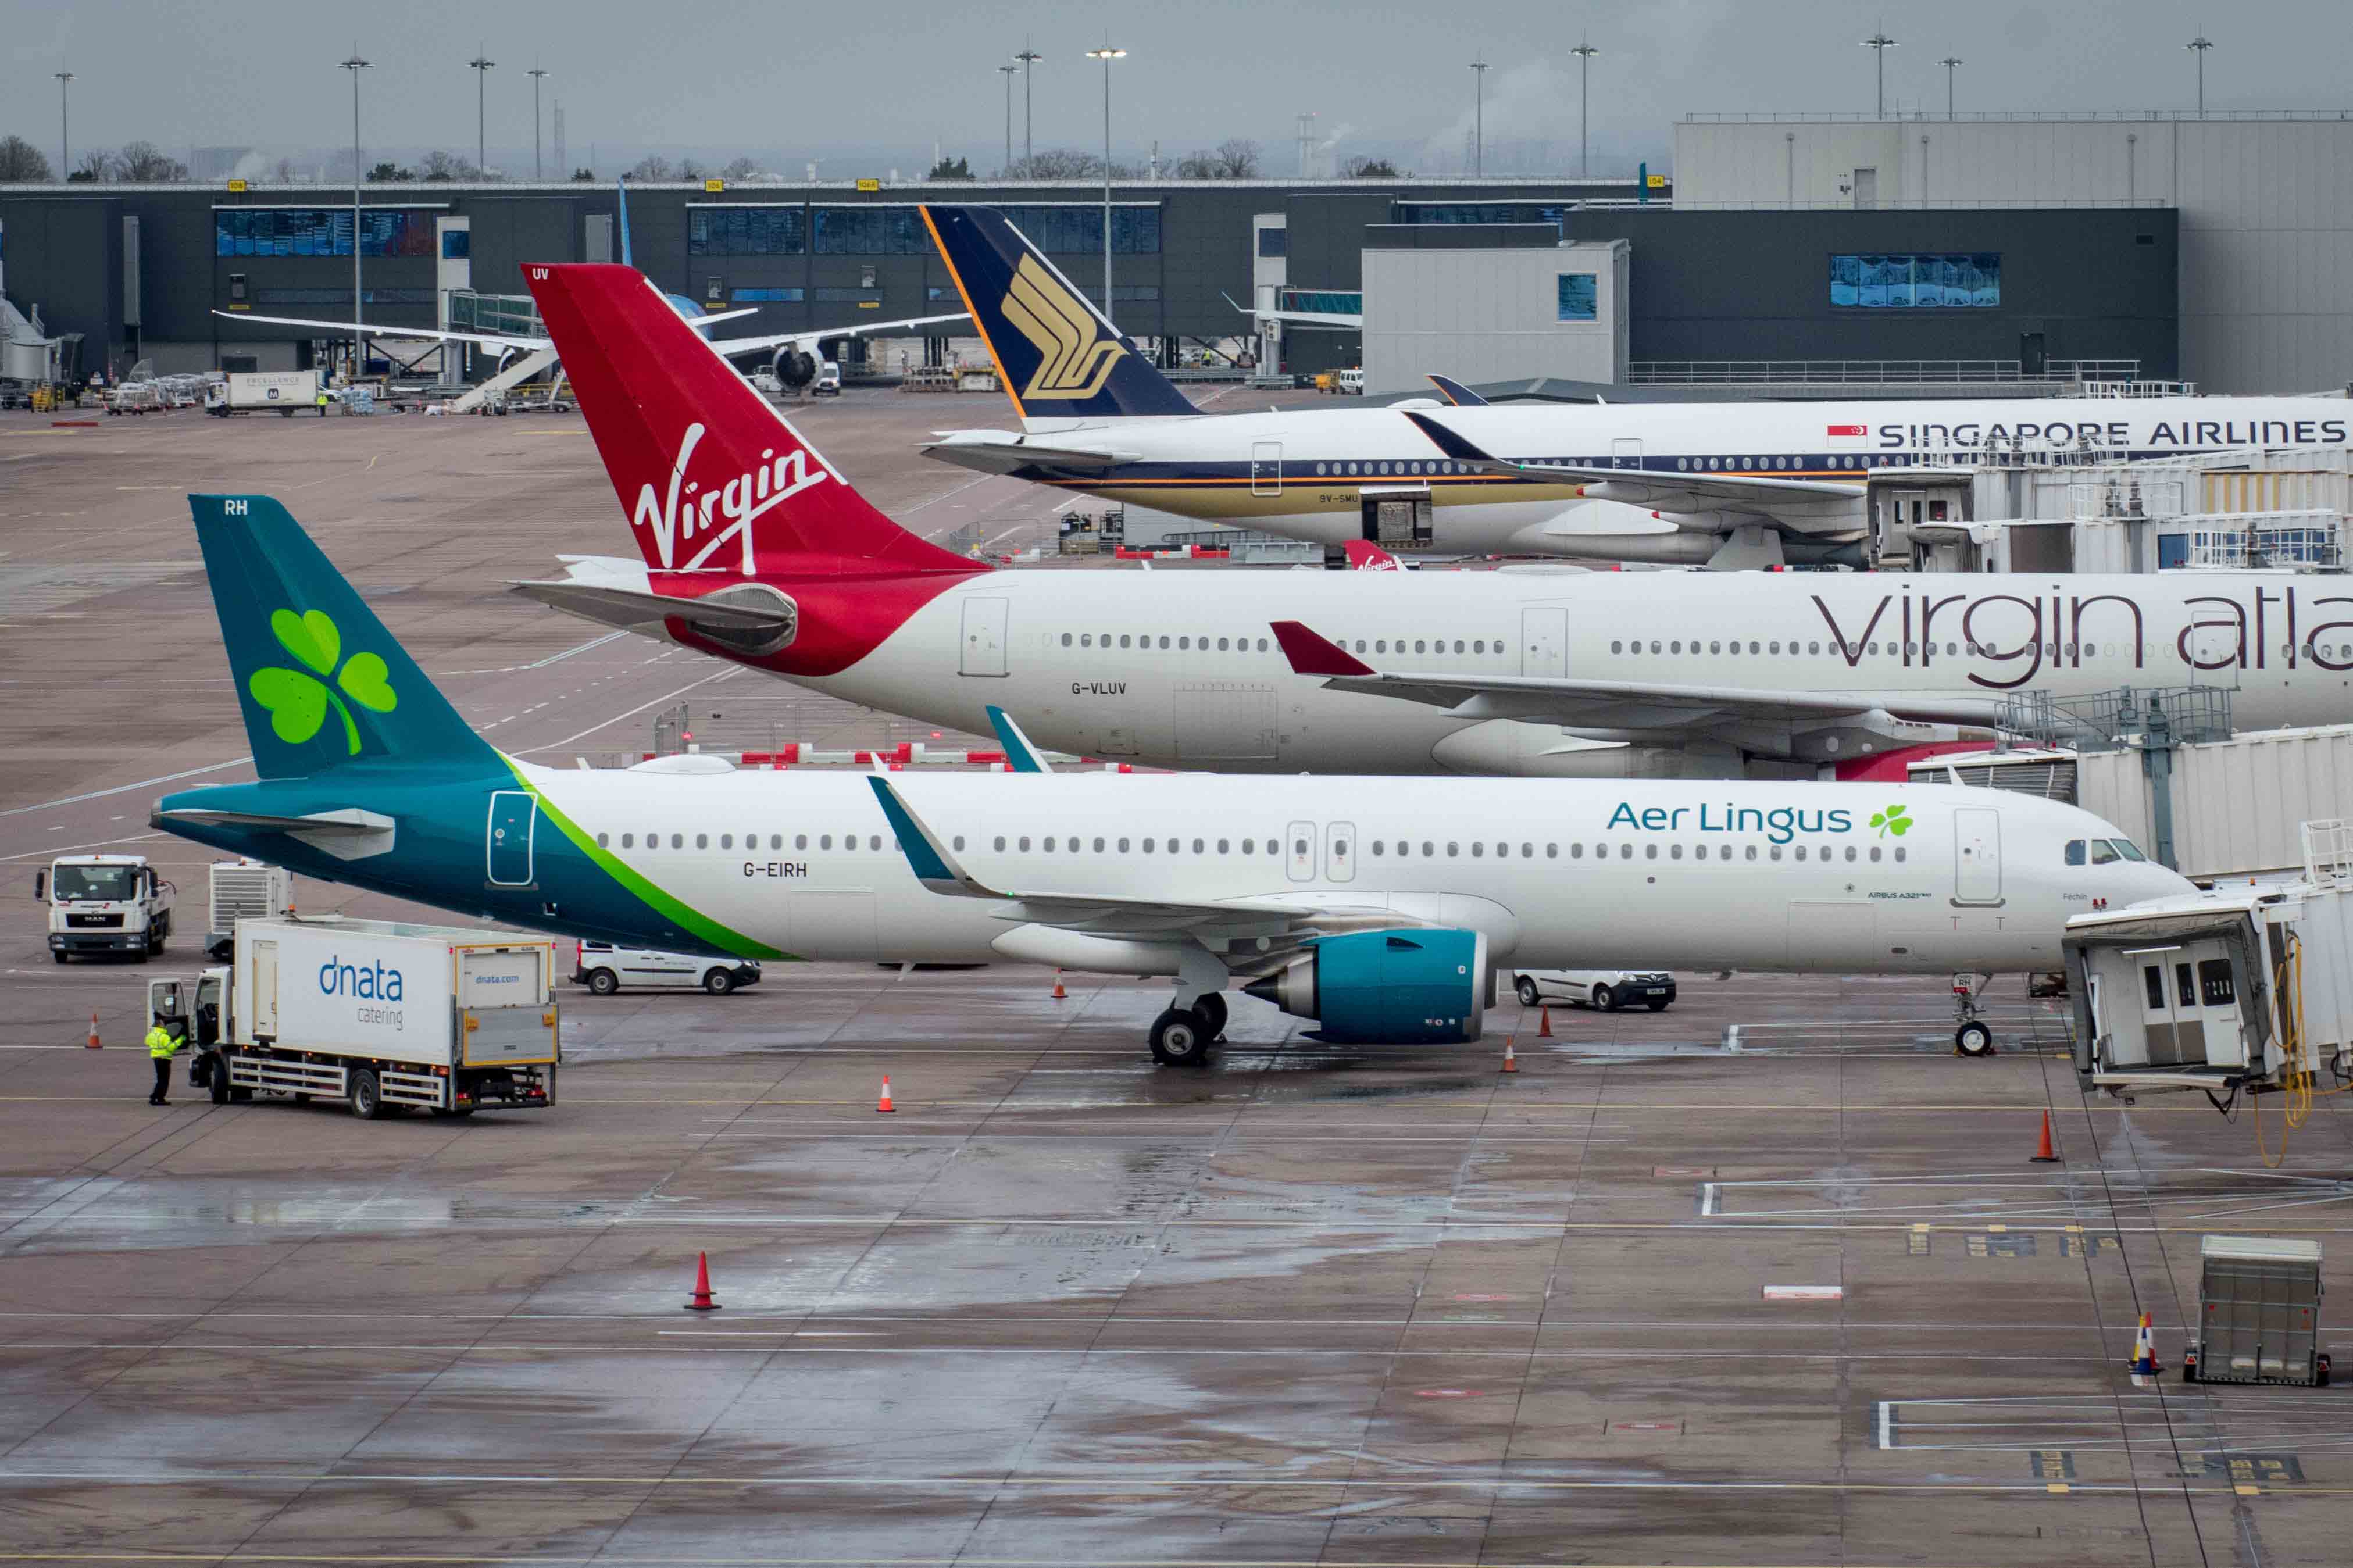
(1647,1301)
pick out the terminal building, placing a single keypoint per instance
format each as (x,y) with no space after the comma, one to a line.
(1805,254)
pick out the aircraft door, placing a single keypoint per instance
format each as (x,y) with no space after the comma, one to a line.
(1266,468)
(1543,643)
(983,637)
(1977,856)
(2217,649)
(1339,852)
(1626,452)
(507,836)
(1299,844)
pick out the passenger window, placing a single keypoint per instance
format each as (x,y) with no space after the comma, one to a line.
(1429,849)
(1774,646)
(1050,843)
(1776,852)
(800,841)
(628,840)
(1123,640)
(1377,850)
(1576,851)
(1453,848)
(1261,645)
(1874,854)
(1625,851)
(825,841)
(1850,854)
(1478,851)
(1225,847)
(1164,644)
(1075,846)
(1649,851)
(678,840)
(727,841)
(2103,853)
(1674,647)
(1801,851)
(2074,851)
(1899,852)
(1024,842)
(1674,852)
(1222,645)
(1000,842)
(957,842)
(1752,852)
(1457,644)
(1066,639)
(874,841)
(849,843)
(1527,851)
(1197,846)
(703,841)
(1086,639)
(1148,847)
(1184,642)
(1617,648)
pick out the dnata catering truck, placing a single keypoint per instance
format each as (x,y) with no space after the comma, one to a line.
(105,903)
(263,392)
(378,1014)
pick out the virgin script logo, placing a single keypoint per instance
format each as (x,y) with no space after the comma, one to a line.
(701,518)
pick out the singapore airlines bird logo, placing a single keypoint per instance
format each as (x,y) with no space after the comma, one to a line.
(1072,361)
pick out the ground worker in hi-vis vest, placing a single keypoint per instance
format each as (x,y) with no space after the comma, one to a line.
(161,1046)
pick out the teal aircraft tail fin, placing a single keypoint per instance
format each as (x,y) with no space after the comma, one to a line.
(321,681)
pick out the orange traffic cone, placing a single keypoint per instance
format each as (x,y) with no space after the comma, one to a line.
(1544,1023)
(92,1043)
(702,1302)
(2043,1156)
(1060,994)
(883,1106)
(2144,1359)
(1511,1061)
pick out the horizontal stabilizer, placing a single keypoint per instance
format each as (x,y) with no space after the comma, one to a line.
(992,453)
(351,822)
(625,608)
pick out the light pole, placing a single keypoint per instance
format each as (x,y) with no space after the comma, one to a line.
(1106,54)
(1879,44)
(1950,63)
(536,74)
(482,80)
(2199,46)
(359,345)
(1028,58)
(1584,53)
(1479,117)
(1007,71)
(65,130)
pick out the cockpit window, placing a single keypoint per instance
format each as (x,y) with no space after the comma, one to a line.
(2074,851)
(2128,849)
(2105,852)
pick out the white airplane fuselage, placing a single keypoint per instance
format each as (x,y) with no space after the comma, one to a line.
(1177,668)
(1308,473)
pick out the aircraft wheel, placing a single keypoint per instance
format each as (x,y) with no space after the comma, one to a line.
(1211,1006)
(1527,992)
(1973,1039)
(1179,1040)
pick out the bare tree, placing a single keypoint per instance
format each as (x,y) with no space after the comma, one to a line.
(21,162)
(1058,164)
(1234,159)
(689,169)
(284,173)
(96,164)
(652,166)
(439,167)
(740,168)
(147,163)
(1370,169)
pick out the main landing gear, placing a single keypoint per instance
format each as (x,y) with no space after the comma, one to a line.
(1182,1035)
(1972,1036)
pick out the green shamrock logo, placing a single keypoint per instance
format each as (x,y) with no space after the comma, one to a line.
(1895,819)
(298,700)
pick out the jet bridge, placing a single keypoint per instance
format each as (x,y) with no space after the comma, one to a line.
(2246,991)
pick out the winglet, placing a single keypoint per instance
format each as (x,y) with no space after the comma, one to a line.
(1313,653)
(1456,392)
(927,854)
(1448,442)
(1020,754)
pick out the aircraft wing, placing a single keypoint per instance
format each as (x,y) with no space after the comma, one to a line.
(488,340)
(1001,452)
(1809,506)
(729,347)
(1119,915)
(1609,704)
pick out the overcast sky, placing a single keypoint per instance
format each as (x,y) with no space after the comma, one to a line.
(869,82)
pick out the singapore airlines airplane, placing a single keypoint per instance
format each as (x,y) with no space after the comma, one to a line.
(1381,907)
(756,550)
(1739,484)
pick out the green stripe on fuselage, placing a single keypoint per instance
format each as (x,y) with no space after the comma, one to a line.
(664,904)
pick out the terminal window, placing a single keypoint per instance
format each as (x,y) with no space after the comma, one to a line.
(1911,282)
(869,231)
(767,296)
(1273,242)
(746,231)
(318,231)
(457,243)
(1579,296)
(1477,212)
(1134,231)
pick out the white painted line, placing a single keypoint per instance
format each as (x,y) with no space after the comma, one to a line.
(125,789)
(1887,1423)
(1805,1293)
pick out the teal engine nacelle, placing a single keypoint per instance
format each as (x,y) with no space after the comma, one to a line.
(1387,987)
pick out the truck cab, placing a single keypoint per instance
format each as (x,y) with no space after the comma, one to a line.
(192,1009)
(105,903)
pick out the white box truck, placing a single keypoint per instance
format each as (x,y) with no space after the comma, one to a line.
(379,1013)
(105,903)
(286,392)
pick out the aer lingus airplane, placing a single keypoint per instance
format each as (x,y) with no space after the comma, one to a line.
(1379,907)
(755,548)
(1725,484)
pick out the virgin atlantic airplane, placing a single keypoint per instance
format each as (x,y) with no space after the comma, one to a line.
(754,549)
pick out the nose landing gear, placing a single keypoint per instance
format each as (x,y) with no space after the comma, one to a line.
(1972,1036)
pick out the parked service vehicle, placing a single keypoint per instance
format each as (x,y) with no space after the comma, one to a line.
(605,969)
(765,383)
(105,903)
(381,1015)
(282,392)
(828,380)
(1606,989)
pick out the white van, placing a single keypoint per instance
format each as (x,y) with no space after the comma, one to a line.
(1605,989)
(828,380)
(605,969)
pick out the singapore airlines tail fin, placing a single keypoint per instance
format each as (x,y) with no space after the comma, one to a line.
(1056,355)
(712,476)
